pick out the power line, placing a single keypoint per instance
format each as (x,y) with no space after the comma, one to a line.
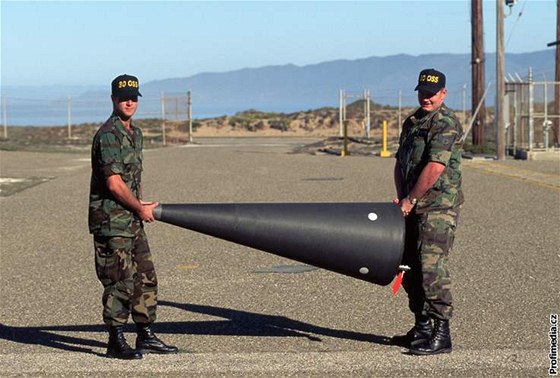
(515,23)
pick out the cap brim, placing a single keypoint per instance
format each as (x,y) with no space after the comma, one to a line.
(427,88)
(128,94)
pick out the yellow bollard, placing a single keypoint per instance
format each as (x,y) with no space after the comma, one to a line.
(384,152)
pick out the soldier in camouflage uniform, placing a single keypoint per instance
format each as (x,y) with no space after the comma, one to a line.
(428,183)
(123,260)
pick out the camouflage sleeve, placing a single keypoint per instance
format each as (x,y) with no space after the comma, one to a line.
(141,142)
(110,152)
(444,136)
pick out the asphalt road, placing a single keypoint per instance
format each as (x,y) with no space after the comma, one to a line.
(225,305)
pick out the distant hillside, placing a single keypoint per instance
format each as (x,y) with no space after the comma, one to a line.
(286,88)
(292,88)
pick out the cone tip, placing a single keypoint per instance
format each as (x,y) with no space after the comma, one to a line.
(157,212)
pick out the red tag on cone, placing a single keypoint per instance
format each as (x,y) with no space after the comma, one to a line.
(398,283)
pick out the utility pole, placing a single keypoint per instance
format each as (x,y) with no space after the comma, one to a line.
(500,84)
(477,72)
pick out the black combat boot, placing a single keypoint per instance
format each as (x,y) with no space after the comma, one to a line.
(422,330)
(147,342)
(118,347)
(440,342)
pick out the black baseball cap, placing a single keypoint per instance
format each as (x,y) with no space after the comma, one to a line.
(125,86)
(430,81)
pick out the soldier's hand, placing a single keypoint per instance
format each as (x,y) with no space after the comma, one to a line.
(406,206)
(146,214)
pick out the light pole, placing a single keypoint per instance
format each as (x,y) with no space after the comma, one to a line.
(500,84)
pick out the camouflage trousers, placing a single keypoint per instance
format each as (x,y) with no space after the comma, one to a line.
(429,240)
(125,268)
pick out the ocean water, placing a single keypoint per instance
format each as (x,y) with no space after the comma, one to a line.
(59,112)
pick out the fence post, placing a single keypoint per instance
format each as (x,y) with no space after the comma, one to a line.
(341,108)
(507,123)
(344,151)
(399,125)
(546,123)
(68,118)
(531,109)
(367,112)
(4,116)
(162,118)
(515,117)
(189,114)
(464,92)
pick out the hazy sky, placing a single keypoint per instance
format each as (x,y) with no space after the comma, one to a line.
(90,42)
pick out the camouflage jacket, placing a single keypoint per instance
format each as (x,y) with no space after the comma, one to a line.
(435,136)
(114,151)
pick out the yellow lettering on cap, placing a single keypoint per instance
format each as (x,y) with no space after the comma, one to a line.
(129,83)
(429,78)
(432,79)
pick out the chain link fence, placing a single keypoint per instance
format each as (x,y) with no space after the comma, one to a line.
(531,115)
(69,112)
